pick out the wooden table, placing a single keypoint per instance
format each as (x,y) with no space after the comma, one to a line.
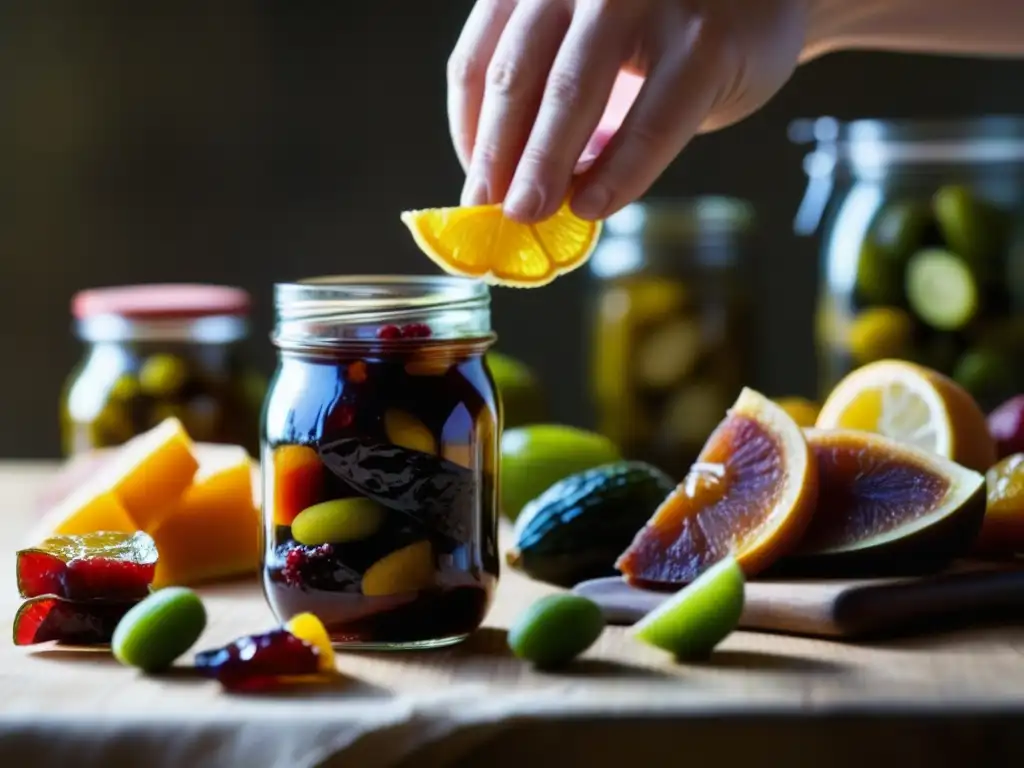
(767,700)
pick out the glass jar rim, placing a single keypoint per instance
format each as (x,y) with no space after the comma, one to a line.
(669,218)
(333,309)
(871,143)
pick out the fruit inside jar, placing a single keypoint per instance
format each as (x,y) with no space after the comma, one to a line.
(379,488)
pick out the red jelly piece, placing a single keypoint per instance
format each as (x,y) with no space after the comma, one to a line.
(104,565)
(389,332)
(256,662)
(416,331)
(45,619)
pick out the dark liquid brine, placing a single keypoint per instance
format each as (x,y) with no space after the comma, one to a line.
(379,493)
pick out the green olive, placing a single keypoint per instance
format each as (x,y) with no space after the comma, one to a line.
(163,375)
(900,229)
(125,388)
(159,629)
(555,630)
(337,521)
(972,228)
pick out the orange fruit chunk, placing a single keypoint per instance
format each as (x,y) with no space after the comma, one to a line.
(914,405)
(1002,532)
(750,495)
(213,531)
(480,242)
(84,511)
(297,477)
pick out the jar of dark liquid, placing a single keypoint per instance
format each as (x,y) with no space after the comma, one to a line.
(380,457)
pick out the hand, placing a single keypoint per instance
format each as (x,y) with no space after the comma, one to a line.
(529,80)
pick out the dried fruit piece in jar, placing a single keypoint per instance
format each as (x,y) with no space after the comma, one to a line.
(338,521)
(880,332)
(298,481)
(751,495)
(885,505)
(973,228)
(101,565)
(900,229)
(669,353)
(941,289)
(46,619)
(163,375)
(405,430)
(408,569)
(261,661)
(437,493)
(316,568)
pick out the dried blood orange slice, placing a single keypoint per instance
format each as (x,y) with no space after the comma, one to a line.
(750,494)
(101,565)
(46,619)
(884,503)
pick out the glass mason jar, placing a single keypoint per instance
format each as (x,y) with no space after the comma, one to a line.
(669,352)
(155,351)
(380,459)
(922,249)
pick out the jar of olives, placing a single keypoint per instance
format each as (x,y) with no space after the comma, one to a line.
(922,247)
(380,459)
(156,351)
(668,346)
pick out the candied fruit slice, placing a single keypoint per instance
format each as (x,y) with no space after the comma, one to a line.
(45,619)
(436,492)
(298,481)
(751,494)
(257,662)
(105,565)
(307,627)
(880,498)
(408,569)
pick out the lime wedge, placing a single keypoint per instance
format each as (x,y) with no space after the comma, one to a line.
(699,616)
(941,289)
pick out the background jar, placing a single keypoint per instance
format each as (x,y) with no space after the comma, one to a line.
(380,459)
(669,352)
(921,247)
(156,351)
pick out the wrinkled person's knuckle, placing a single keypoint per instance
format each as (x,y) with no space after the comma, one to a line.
(507,78)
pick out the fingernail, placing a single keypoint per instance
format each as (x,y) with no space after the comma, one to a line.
(524,201)
(592,202)
(475,191)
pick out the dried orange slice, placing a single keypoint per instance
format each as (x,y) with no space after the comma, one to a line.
(1002,532)
(480,242)
(914,405)
(750,495)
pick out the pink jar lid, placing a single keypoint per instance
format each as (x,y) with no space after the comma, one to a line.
(161,301)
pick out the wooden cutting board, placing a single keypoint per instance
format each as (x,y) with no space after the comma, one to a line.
(850,608)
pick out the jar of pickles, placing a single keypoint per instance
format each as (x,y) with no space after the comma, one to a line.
(156,351)
(669,351)
(380,459)
(922,247)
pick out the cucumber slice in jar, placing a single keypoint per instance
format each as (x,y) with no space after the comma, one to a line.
(941,289)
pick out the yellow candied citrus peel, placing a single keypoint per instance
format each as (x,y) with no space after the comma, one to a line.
(308,628)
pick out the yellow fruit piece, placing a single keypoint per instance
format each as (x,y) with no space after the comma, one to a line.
(307,627)
(915,405)
(406,430)
(459,453)
(151,470)
(84,511)
(802,411)
(878,333)
(405,570)
(213,531)
(480,242)
(1002,532)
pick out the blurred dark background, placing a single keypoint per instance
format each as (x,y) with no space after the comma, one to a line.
(247,142)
